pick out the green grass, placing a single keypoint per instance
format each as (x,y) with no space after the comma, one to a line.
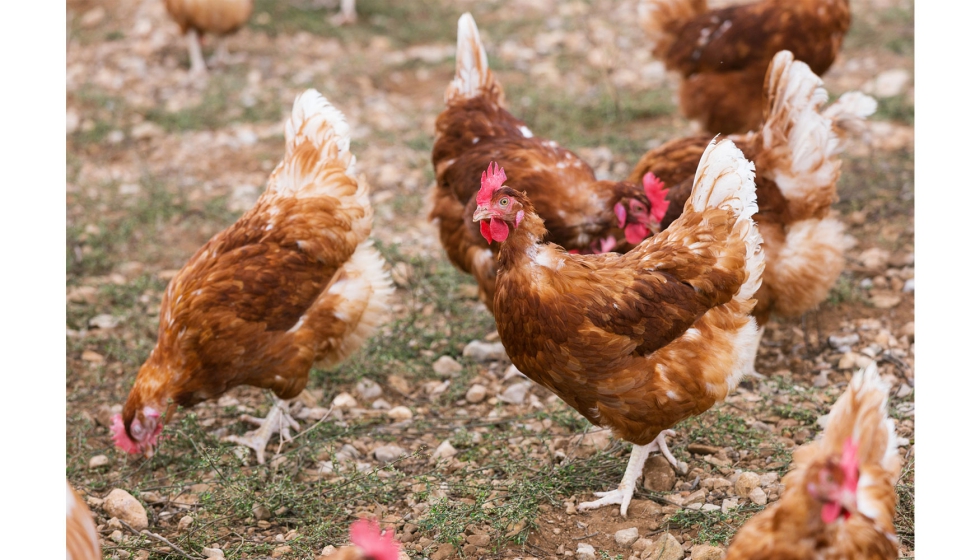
(714,527)
(896,109)
(891,27)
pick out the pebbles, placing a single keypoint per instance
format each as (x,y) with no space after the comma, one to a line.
(476,394)
(480,351)
(120,503)
(626,537)
(446,366)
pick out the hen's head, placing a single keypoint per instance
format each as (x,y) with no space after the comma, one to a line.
(137,429)
(640,217)
(834,481)
(499,208)
(375,545)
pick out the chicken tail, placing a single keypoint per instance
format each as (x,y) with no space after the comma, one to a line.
(799,143)
(661,20)
(473,75)
(725,179)
(849,113)
(353,306)
(318,160)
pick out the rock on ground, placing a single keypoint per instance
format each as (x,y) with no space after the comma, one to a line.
(626,537)
(446,366)
(706,552)
(667,548)
(585,552)
(388,453)
(120,503)
(658,475)
(480,351)
(747,482)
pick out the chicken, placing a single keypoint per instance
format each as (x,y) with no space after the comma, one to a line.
(839,502)
(81,536)
(640,341)
(197,17)
(797,167)
(347,14)
(475,128)
(369,544)
(292,284)
(722,54)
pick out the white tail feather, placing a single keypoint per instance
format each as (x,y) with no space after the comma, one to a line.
(472,69)
(725,179)
(365,291)
(849,113)
(796,129)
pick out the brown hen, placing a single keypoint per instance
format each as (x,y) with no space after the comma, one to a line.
(474,129)
(292,284)
(797,167)
(640,341)
(722,54)
(82,540)
(197,17)
(839,502)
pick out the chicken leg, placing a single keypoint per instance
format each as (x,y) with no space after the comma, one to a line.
(277,421)
(347,14)
(194,50)
(638,457)
(750,365)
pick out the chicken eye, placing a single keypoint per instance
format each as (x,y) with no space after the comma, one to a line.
(504,201)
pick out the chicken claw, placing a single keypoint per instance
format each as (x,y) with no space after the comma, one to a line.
(277,421)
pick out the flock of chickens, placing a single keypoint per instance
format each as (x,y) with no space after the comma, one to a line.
(638,302)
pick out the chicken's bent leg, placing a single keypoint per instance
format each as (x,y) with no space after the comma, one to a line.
(277,421)
(194,50)
(624,493)
(750,365)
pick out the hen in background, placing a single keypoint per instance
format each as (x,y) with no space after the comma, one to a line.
(197,17)
(796,154)
(292,284)
(640,341)
(82,540)
(579,212)
(839,501)
(369,543)
(722,54)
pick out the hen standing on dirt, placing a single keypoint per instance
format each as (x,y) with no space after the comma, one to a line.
(641,341)
(293,283)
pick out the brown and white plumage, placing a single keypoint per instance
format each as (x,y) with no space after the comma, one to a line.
(293,283)
(797,167)
(809,522)
(475,129)
(197,17)
(722,54)
(640,341)
(81,536)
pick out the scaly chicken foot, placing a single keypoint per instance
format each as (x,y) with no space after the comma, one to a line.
(198,68)
(624,493)
(277,421)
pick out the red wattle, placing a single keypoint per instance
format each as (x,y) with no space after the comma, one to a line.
(498,229)
(636,233)
(485,231)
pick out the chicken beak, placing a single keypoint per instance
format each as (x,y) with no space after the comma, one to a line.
(481,214)
(148,452)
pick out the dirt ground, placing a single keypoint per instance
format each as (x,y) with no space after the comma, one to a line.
(486,465)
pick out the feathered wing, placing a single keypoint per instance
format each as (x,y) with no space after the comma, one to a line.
(81,536)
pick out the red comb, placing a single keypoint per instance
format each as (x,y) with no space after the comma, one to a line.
(491,180)
(657,195)
(367,535)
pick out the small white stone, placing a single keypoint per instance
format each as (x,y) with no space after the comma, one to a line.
(769,479)
(388,453)
(185,523)
(213,552)
(368,389)
(903,392)
(758,496)
(344,401)
(476,394)
(746,483)
(121,504)
(480,351)
(516,393)
(104,321)
(98,461)
(585,552)
(444,451)
(626,537)
(400,413)
(710,507)
(446,366)
(380,404)
(729,504)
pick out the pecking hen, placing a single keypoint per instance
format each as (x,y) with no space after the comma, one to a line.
(640,341)
(839,502)
(369,543)
(579,212)
(797,167)
(722,54)
(292,284)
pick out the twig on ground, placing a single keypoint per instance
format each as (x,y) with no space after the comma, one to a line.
(152,535)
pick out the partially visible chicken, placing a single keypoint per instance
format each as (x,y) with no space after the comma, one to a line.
(81,536)
(640,341)
(722,54)
(369,544)
(797,167)
(839,502)
(292,284)
(197,17)
(579,211)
